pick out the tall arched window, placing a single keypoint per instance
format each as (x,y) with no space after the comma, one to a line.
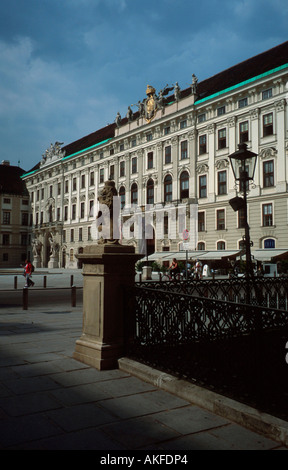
(122,196)
(184,185)
(134,194)
(150,191)
(168,188)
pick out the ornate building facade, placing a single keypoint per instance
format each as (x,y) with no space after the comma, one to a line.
(170,163)
(16,222)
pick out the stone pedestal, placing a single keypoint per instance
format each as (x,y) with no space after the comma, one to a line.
(107,270)
(147,273)
(53,262)
(37,261)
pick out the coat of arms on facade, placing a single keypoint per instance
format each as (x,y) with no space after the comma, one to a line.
(151,105)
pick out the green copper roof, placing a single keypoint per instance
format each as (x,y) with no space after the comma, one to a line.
(238,85)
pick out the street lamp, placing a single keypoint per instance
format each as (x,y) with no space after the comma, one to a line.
(243,164)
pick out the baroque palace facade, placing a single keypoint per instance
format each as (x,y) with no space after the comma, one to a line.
(171,157)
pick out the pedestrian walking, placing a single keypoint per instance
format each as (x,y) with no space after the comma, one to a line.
(28,269)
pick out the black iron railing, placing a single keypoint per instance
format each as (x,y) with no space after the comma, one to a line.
(235,348)
(269,292)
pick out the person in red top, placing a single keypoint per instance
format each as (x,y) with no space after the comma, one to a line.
(28,273)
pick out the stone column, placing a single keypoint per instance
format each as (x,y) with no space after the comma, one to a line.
(107,270)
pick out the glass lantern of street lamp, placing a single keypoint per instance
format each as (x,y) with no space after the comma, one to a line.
(243,163)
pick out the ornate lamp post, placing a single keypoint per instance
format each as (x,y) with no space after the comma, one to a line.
(243,164)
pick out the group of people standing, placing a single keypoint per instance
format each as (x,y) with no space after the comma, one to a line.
(197,271)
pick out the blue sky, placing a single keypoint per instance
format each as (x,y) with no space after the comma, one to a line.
(68,66)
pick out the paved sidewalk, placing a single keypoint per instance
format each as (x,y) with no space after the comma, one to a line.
(50,401)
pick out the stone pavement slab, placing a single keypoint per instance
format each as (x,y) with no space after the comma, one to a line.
(50,401)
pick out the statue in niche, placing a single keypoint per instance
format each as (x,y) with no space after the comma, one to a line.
(108,198)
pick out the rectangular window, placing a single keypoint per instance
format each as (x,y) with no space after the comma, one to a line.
(167,130)
(74,184)
(65,213)
(25,218)
(167,154)
(101,175)
(222,182)
(184,150)
(201,221)
(58,213)
(202,144)
(6,200)
(221,111)
(222,139)
(112,172)
(73,211)
(24,239)
(92,178)
(183,124)
(80,234)
(82,210)
(202,117)
(134,165)
(83,181)
(72,235)
(149,137)
(150,160)
(243,131)
(66,186)
(59,189)
(267,94)
(51,191)
(243,103)
(202,186)
(220,216)
(241,218)
(268,124)
(6,239)
(268,174)
(6,218)
(267,215)
(122,168)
